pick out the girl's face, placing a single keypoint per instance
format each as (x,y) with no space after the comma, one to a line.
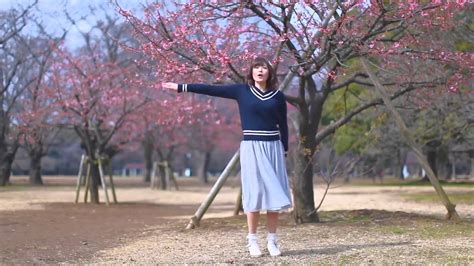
(260,73)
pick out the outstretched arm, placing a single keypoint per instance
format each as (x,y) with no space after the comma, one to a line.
(170,86)
(224,91)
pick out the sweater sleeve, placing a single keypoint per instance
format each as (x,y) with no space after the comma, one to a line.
(282,122)
(223,91)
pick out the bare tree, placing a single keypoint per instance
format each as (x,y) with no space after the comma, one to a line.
(14,78)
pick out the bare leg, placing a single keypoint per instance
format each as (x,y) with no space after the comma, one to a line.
(272,222)
(252,221)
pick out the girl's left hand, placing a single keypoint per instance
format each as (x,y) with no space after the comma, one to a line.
(170,86)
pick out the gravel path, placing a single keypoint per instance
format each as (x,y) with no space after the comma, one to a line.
(360,225)
(222,241)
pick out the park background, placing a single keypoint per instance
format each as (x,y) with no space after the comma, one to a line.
(83,78)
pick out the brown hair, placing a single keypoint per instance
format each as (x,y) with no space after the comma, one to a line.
(272,78)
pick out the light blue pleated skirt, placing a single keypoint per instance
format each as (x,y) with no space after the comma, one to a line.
(264,179)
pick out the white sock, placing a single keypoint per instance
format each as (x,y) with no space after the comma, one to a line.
(252,236)
(272,236)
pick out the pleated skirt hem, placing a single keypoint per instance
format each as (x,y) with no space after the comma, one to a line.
(265,184)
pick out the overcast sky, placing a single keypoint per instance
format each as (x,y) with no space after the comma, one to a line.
(51,13)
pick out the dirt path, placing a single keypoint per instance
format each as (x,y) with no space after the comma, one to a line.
(42,225)
(340,239)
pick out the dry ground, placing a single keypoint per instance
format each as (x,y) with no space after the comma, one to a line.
(364,224)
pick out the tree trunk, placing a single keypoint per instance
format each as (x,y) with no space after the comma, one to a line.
(203,166)
(6,161)
(309,116)
(431,156)
(5,171)
(303,191)
(453,166)
(148,156)
(471,156)
(95,182)
(444,169)
(402,155)
(162,171)
(304,210)
(35,167)
(90,146)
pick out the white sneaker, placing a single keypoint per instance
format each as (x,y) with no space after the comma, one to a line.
(253,247)
(272,245)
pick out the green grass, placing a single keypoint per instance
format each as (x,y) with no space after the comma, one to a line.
(400,223)
(456,260)
(15,187)
(455,197)
(22,187)
(418,183)
(345,217)
(429,228)
(345,260)
(432,230)
(398,230)
(409,183)
(359,218)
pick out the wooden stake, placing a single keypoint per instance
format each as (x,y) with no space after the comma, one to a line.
(104,185)
(194,222)
(153,176)
(170,176)
(79,179)
(175,182)
(238,203)
(88,178)
(451,208)
(112,182)
(167,174)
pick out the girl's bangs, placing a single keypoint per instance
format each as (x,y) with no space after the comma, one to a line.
(259,62)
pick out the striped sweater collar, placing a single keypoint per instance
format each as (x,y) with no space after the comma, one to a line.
(262,95)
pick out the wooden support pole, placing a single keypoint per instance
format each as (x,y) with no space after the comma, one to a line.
(194,222)
(112,185)
(79,179)
(170,176)
(238,202)
(175,182)
(167,174)
(154,181)
(88,178)
(410,140)
(102,179)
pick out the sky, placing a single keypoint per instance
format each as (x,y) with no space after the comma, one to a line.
(51,13)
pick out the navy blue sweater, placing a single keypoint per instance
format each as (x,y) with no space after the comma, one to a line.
(262,114)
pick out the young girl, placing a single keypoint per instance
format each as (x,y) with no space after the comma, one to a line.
(263,149)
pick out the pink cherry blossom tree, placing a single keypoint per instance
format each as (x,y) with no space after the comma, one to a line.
(320,43)
(97,89)
(168,125)
(37,114)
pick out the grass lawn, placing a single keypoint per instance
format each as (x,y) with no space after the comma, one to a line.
(409,183)
(455,197)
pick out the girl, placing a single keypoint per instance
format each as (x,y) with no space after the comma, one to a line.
(263,149)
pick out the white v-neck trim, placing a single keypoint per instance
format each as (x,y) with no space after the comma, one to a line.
(258,94)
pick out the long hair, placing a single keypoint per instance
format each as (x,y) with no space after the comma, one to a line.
(272,81)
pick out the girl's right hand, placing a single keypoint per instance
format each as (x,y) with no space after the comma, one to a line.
(170,86)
